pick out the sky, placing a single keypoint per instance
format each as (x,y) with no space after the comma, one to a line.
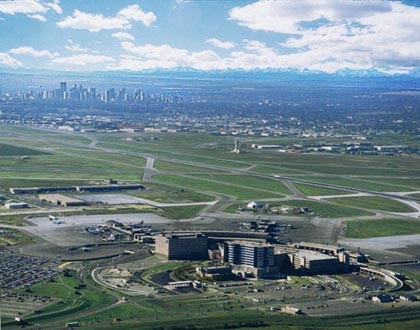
(130,35)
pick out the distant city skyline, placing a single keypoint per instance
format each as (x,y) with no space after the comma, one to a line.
(129,35)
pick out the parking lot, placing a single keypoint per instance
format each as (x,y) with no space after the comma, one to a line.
(18,271)
(112,199)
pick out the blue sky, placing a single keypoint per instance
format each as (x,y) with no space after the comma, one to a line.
(327,35)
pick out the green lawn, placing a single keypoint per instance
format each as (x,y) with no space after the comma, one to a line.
(374,203)
(249,181)
(72,298)
(167,194)
(29,182)
(16,220)
(240,192)
(123,312)
(182,212)
(415,195)
(11,150)
(10,237)
(375,169)
(177,167)
(310,190)
(382,227)
(358,184)
(413,183)
(320,209)
(61,167)
(326,210)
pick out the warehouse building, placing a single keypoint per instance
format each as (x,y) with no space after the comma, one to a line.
(15,205)
(92,188)
(109,187)
(186,246)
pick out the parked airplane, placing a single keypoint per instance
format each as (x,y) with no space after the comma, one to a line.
(94,231)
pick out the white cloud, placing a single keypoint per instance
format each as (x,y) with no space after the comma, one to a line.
(83,59)
(253,54)
(98,22)
(323,35)
(12,7)
(166,56)
(331,35)
(31,8)
(135,13)
(29,51)
(221,44)
(55,5)
(7,60)
(76,48)
(287,16)
(123,36)
(38,17)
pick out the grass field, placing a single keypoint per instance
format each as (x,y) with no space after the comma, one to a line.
(182,212)
(66,167)
(240,192)
(233,317)
(326,210)
(177,167)
(310,190)
(275,169)
(42,182)
(415,195)
(11,150)
(72,298)
(248,181)
(374,203)
(382,227)
(320,209)
(16,220)
(11,237)
(413,183)
(168,194)
(359,184)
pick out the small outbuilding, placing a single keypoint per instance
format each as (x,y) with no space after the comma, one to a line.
(254,205)
(382,298)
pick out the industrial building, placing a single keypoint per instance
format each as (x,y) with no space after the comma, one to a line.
(109,187)
(186,246)
(291,310)
(92,188)
(383,298)
(254,205)
(15,205)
